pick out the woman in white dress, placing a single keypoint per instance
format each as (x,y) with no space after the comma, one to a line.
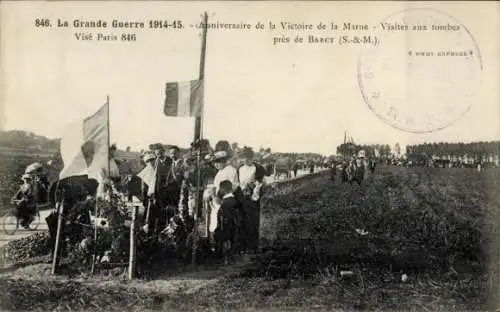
(225,171)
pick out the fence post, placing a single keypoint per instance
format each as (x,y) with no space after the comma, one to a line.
(131,261)
(58,237)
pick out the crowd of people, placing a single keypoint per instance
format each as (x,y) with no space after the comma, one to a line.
(230,190)
(354,170)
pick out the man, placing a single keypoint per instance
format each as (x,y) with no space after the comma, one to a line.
(158,214)
(251,176)
(174,183)
(311,167)
(295,169)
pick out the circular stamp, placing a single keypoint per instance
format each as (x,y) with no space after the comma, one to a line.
(423,74)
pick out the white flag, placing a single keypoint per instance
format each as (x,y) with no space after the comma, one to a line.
(85,147)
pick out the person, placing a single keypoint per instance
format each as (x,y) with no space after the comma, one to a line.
(295,169)
(333,169)
(251,176)
(359,170)
(222,225)
(157,217)
(174,183)
(149,160)
(25,201)
(225,171)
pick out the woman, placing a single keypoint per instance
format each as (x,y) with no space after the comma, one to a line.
(251,176)
(225,172)
(25,201)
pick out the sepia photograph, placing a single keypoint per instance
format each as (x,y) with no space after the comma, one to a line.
(249,156)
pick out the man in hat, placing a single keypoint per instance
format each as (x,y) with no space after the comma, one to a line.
(176,176)
(156,219)
(251,176)
(25,201)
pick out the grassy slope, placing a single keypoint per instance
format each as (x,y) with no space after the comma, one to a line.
(316,214)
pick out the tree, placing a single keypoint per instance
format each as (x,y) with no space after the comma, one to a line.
(128,149)
(346,149)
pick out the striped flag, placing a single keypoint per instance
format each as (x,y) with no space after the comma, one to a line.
(184,99)
(85,146)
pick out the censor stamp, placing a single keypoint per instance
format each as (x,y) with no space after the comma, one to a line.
(424,74)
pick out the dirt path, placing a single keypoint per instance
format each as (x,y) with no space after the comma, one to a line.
(21,232)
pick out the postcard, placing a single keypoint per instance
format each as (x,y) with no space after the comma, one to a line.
(237,156)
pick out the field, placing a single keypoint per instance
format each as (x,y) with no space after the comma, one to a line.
(436,226)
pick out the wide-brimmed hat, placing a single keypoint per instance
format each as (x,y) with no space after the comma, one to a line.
(33,167)
(148,156)
(222,151)
(157,146)
(221,156)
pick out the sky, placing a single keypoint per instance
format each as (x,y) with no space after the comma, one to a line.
(289,97)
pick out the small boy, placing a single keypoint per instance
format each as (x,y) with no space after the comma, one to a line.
(223,235)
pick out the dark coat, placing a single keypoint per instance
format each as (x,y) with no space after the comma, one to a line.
(226,216)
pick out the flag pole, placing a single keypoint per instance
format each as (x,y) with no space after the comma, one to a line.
(345,142)
(96,208)
(198,132)
(109,140)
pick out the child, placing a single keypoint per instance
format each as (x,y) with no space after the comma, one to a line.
(223,235)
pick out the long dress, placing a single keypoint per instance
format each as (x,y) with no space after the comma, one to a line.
(252,181)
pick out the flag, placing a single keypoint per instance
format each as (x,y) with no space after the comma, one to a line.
(85,147)
(148,176)
(184,99)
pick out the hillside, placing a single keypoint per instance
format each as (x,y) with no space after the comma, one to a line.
(18,139)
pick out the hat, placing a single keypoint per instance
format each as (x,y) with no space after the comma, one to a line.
(222,151)
(157,146)
(33,167)
(221,156)
(148,156)
(26,176)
